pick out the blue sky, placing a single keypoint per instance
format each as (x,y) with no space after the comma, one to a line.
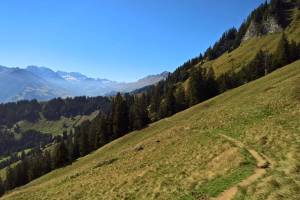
(121,40)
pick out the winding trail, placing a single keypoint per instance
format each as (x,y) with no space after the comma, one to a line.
(262,164)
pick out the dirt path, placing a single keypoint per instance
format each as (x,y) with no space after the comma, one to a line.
(262,163)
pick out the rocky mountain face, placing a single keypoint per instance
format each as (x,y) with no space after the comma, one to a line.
(270,25)
(42,83)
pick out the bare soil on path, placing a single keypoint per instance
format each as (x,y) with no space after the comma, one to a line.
(262,164)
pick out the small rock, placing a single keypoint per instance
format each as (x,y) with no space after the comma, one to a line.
(139,148)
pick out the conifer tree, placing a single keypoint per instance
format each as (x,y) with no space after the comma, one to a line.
(139,112)
(61,156)
(170,102)
(10,178)
(282,52)
(195,87)
(76,152)
(211,85)
(2,187)
(47,162)
(294,51)
(180,98)
(120,116)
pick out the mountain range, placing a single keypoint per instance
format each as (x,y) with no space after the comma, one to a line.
(42,83)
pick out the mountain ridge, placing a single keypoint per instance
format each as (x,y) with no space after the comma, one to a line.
(42,83)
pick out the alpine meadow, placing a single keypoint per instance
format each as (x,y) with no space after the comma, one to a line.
(224,125)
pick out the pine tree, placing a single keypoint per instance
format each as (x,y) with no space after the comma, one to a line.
(282,52)
(278,10)
(103,133)
(139,112)
(120,116)
(47,162)
(2,187)
(61,156)
(76,152)
(294,51)
(211,85)
(82,133)
(180,98)
(10,178)
(195,87)
(170,102)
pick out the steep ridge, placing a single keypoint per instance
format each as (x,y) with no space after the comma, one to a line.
(236,59)
(196,161)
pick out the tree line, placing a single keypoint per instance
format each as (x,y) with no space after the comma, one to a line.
(29,139)
(134,111)
(233,37)
(30,110)
(262,64)
(128,112)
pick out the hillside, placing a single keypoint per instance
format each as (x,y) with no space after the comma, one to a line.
(196,159)
(241,56)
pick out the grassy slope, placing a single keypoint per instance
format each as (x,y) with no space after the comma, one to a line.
(248,49)
(190,157)
(56,127)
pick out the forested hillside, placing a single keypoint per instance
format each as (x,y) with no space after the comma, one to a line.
(219,69)
(186,157)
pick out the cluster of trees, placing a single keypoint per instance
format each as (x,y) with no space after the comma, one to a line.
(169,97)
(134,111)
(10,113)
(70,107)
(28,139)
(129,112)
(228,42)
(263,63)
(232,38)
(29,168)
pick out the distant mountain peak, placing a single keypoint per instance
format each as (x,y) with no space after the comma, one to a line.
(72,76)
(42,83)
(43,72)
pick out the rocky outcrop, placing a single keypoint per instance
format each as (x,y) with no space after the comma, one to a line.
(270,25)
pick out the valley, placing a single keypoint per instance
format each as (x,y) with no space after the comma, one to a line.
(123,170)
(222,126)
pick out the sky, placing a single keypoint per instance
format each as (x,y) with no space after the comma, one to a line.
(122,40)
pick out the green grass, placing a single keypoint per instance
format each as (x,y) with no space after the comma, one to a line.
(216,186)
(184,154)
(56,127)
(246,52)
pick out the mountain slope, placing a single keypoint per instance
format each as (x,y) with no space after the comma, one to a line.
(42,83)
(196,160)
(17,84)
(241,56)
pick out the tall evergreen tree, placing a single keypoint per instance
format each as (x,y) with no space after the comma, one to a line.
(195,86)
(61,155)
(180,98)
(47,162)
(282,52)
(2,187)
(120,116)
(139,112)
(10,178)
(294,51)
(211,85)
